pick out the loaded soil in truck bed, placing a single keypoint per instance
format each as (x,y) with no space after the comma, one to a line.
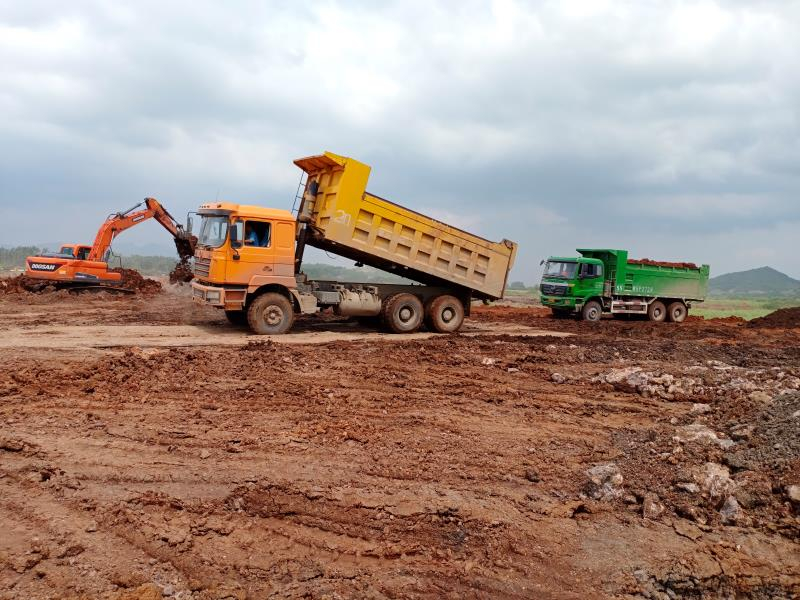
(149,449)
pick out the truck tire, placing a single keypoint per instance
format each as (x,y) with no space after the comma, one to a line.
(592,311)
(444,314)
(236,317)
(657,312)
(676,312)
(270,314)
(402,313)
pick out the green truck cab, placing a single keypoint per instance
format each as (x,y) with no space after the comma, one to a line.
(607,281)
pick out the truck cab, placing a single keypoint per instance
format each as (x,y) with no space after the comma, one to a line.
(76,251)
(243,250)
(568,282)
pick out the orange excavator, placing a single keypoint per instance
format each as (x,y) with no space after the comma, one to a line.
(82,265)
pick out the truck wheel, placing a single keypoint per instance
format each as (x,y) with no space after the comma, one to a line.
(236,317)
(592,311)
(657,312)
(444,314)
(270,314)
(676,312)
(402,313)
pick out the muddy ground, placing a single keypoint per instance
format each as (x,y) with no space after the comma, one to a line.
(139,458)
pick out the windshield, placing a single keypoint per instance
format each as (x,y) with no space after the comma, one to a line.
(560,269)
(213,231)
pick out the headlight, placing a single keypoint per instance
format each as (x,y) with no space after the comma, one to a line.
(212,296)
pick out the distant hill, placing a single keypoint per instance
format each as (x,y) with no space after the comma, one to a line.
(765,281)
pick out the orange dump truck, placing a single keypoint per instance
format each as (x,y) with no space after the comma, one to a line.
(248,259)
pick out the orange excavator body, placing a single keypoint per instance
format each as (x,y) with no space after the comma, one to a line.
(80,264)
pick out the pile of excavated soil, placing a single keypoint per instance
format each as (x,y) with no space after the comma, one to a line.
(182,273)
(14,285)
(661,263)
(133,280)
(783,318)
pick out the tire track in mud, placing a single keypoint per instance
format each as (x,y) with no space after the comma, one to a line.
(414,468)
(75,544)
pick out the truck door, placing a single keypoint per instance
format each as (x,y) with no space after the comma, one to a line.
(257,252)
(591,279)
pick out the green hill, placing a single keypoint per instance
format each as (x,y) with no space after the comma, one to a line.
(764,281)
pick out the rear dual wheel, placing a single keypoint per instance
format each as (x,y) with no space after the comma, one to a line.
(444,314)
(657,312)
(402,313)
(677,312)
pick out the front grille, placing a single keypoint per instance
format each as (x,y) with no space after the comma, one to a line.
(201,267)
(553,289)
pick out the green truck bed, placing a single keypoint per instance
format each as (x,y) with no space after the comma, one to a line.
(651,278)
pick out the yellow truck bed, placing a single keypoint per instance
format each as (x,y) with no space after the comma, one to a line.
(337,214)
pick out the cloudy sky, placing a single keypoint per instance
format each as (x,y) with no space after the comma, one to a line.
(669,128)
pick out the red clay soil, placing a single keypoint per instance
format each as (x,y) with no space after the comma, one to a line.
(13,285)
(625,461)
(133,280)
(661,263)
(783,318)
(182,273)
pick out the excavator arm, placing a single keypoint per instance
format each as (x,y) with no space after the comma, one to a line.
(119,222)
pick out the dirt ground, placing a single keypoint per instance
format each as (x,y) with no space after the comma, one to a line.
(148,449)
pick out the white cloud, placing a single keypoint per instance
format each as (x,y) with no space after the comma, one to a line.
(548,121)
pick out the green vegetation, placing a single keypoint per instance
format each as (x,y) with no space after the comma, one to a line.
(14,258)
(745,307)
(355,274)
(146,265)
(765,282)
(11,258)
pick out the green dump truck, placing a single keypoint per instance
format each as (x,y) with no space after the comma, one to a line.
(607,281)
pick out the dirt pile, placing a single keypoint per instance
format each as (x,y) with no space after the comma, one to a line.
(783,318)
(182,273)
(15,285)
(133,280)
(661,263)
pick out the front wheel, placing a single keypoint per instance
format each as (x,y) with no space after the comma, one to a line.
(270,314)
(657,312)
(676,312)
(592,311)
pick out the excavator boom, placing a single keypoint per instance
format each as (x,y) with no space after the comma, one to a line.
(90,266)
(119,222)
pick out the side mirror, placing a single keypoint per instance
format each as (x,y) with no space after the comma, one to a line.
(541,262)
(188,224)
(236,234)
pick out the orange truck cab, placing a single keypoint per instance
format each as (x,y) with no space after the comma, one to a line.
(241,250)
(248,259)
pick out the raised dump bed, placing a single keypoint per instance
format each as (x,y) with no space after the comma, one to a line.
(337,214)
